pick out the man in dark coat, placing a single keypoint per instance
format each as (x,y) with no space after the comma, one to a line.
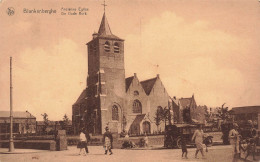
(87,140)
(108,140)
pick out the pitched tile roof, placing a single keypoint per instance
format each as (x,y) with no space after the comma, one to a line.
(128,82)
(82,97)
(16,114)
(185,102)
(148,85)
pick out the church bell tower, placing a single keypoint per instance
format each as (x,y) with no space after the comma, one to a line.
(106,80)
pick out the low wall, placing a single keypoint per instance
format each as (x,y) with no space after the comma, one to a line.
(152,140)
(31,144)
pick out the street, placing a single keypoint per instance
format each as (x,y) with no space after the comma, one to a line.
(215,154)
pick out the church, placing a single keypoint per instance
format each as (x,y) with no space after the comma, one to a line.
(110,99)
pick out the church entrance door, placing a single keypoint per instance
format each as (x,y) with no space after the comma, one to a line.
(146,127)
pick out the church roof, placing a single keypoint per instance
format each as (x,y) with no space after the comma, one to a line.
(128,82)
(105,31)
(148,85)
(82,97)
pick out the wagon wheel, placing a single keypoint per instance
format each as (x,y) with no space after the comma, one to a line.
(209,142)
(178,143)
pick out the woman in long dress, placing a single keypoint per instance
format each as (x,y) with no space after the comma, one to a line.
(198,137)
(82,143)
(234,138)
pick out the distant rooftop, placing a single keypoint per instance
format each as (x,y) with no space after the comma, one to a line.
(246,109)
(16,114)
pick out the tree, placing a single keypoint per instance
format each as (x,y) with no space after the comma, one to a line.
(223,113)
(158,117)
(207,114)
(165,115)
(161,115)
(45,121)
(65,122)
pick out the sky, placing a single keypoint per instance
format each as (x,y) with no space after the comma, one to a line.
(206,48)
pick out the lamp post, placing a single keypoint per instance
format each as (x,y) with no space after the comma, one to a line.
(11,141)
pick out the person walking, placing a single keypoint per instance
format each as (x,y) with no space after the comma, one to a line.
(108,141)
(87,136)
(198,137)
(184,147)
(82,143)
(234,139)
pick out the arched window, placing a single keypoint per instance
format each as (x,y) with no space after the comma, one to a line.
(137,106)
(115,115)
(136,93)
(107,46)
(116,47)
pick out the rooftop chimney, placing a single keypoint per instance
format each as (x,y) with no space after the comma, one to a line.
(157,75)
(135,75)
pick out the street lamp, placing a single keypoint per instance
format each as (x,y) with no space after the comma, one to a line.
(11,141)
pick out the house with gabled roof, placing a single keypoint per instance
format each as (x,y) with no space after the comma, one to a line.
(23,122)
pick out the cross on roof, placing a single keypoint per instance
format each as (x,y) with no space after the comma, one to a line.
(104,5)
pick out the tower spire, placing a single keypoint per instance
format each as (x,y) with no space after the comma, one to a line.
(104,4)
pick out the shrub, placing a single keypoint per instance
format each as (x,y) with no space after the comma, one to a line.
(72,140)
(128,144)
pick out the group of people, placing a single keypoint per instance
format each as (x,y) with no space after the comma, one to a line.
(247,145)
(85,138)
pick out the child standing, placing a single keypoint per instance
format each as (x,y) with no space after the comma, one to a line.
(251,146)
(184,147)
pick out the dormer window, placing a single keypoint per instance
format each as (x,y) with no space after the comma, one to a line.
(116,47)
(107,46)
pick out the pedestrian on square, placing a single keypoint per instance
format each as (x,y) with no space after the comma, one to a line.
(198,137)
(184,147)
(82,143)
(146,141)
(108,141)
(234,138)
(250,149)
(87,140)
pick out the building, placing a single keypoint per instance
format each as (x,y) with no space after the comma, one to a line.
(53,126)
(186,110)
(245,113)
(23,122)
(110,99)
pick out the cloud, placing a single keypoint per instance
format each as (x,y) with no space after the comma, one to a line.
(192,58)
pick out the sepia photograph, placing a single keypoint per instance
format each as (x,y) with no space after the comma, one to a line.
(130,80)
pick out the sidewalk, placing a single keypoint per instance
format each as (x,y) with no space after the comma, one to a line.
(20,151)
